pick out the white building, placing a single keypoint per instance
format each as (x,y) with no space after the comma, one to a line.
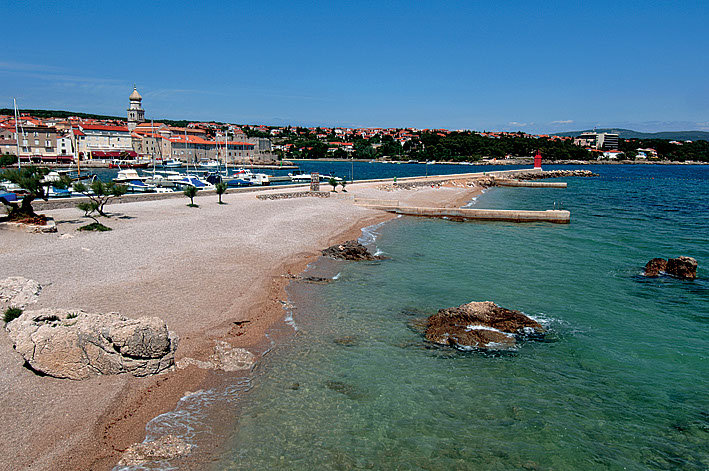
(100,141)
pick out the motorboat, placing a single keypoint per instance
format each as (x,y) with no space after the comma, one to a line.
(299,176)
(139,186)
(238,181)
(174,163)
(128,164)
(128,175)
(260,179)
(54,192)
(160,180)
(192,180)
(210,164)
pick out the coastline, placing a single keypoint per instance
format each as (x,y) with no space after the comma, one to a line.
(111,420)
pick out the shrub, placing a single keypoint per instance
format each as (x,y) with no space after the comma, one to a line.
(95,226)
(12,313)
(190,192)
(220,189)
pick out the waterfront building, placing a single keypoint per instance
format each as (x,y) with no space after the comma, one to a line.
(595,140)
(102,141)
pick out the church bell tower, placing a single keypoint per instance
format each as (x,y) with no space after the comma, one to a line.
(136,114)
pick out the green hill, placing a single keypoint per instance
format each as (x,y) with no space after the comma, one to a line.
(630,134)
(66,114)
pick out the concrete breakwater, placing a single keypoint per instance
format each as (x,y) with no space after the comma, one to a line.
(465,214)
(537,175)
(530,184)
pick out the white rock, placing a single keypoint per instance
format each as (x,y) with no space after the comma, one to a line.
(17,291)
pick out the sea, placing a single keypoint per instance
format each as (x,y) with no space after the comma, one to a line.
(620,380)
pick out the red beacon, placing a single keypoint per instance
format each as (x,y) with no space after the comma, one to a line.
(538,160)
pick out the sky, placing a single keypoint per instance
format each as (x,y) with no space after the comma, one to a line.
(503,65)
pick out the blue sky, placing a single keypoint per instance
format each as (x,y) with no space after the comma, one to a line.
(532,66)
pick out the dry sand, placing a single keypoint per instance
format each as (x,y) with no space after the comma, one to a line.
(200,269)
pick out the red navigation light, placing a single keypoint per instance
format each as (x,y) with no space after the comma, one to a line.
(538,160)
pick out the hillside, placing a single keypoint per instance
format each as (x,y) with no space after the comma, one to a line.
(630,134)
(66,114)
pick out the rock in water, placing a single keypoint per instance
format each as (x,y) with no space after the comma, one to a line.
(164,448)
(350,250)
(682,267)
(17,291)
(655,266)
(483,325)
(78,345)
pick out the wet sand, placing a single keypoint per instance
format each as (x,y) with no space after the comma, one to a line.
(199,269)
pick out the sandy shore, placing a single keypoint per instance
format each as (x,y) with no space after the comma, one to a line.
(199,269)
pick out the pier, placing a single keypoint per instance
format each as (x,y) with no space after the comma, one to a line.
(466,214)
(530,184)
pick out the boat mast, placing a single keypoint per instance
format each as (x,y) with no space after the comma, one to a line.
(226,151)
(17,135)
(187,159)
(152,132)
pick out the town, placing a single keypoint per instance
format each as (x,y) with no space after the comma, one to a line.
(137,142)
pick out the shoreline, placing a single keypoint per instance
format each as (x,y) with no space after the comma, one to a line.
(104,422)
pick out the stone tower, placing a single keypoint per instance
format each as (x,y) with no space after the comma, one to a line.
(136,113)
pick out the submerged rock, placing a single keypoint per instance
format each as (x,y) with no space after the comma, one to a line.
(225,358)
(164,448)
(681,267)
(482,325)
(17,291)
(350,250)
(77,345)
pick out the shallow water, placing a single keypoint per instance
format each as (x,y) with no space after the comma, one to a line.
(619,382)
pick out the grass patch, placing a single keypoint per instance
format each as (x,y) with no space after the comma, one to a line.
(72,315)
(12,313)
(95,226)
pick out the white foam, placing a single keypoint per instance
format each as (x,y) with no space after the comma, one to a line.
(337,277)
(370,234)
(378,252)
(484,327)
(289,319)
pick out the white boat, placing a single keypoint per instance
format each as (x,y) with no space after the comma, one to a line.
(139,186)
(299,176)
(192,180)
(53,192)
(174,163)
(210,164)
(128,175)
(253,178)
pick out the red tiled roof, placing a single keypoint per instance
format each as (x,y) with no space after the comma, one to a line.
(103,127)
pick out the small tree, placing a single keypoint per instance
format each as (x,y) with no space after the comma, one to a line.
(220,188)
(343,183)
(99,193)
(190,192)
(333,183)
(89,207)
(31,179)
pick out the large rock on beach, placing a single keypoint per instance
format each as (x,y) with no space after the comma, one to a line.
(77,345)
(350,250)
(681,267)
(17,291)
(482,325)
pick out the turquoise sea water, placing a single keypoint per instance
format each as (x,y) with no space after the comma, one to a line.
(621,380)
